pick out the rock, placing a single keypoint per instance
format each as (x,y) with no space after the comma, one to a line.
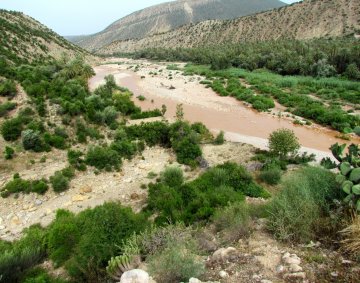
(257,277)
(62,194)
(38,202)
(79,198)
(15,221)
(223,254)
(280,269)
(334,274)
(1,221)
(135,276)
(223,274)
(85,190)
(295,268)
(265,281)
(297,275)
(194,280)
(32,209)
(134,196)
(2,227)
(344,261)
(291,259)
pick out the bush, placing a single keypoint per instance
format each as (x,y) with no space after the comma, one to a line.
(233,221)
(270,176)
(306,197)
(197,200)
(11,129)
(175,264)
(62,237)
(102,231)
(6,107)
(75,159)
(59,182)
(39,187)
(103,158)
(219,140)
(173,176)
(31,140)
(7,88)
(351,241)
(39,275)
(283,142)
(187,151)
(9,153)
(357,130)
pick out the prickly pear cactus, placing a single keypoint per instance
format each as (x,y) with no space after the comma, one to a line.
(349,177)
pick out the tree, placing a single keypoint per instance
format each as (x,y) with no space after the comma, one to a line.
(31,140)
(283,142)
(179,112)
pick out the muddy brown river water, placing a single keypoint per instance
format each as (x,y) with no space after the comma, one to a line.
(240,122)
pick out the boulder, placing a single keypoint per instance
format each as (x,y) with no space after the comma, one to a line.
(223,254)
(135,276)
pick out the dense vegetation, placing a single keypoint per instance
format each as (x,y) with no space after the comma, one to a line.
(318,58)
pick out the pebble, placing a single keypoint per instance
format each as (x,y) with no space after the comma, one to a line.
(345,261)
(2,227)
(223,274)
(266,281)
(62,194)
(334,274)
(38,202)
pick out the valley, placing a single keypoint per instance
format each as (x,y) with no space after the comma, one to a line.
(193,141)
(238,120)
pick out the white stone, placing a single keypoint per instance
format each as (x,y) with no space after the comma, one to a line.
(135,276)
(2,227)
(295,268)
(223,254)
(223,274)
(297,275)
(280,269)
(194,280)
(266,281)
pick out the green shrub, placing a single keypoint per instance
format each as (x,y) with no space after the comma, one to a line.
(233,221)
(103,229)
(31,140)
(219,140)
(6,107)
(7,88)
(11,129)
(175,264)
(270,176)
(75,159)
(187,151)
(9,152)
(283,142)
(103,158)
(13,263)
(357,130)
(306,196)
(39,187)
(39,275)
(173,176)
(197,200)
(59,182)
(63,236)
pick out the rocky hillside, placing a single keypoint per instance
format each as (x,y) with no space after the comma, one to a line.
(171,15)
(305,20)
(23,39)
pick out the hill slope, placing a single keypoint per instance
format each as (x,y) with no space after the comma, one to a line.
(306,20)
(23,39)
(167,16)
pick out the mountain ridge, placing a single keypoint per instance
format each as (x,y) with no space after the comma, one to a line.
(305,20)
(170,15)
(24,40)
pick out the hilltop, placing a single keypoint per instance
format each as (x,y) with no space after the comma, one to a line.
(171,15)
(24,40)
(306,20)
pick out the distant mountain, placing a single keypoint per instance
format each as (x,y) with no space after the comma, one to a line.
(168,16)
(23,40)
(306,20)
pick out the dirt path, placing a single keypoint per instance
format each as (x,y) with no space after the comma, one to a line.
(241,123)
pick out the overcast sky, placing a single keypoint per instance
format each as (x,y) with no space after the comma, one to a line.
(77,17)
